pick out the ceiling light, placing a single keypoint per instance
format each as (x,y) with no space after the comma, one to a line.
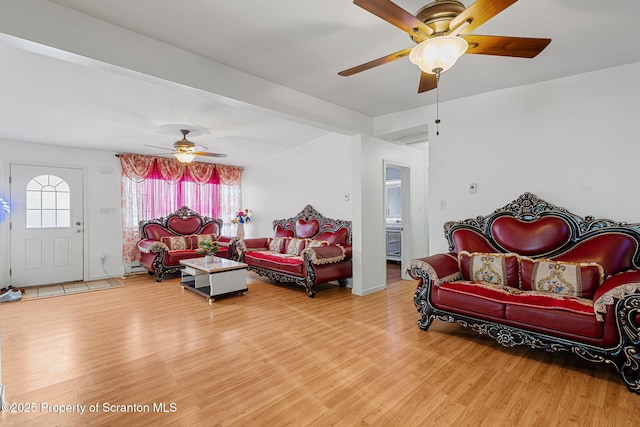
(184,157)
(438,54)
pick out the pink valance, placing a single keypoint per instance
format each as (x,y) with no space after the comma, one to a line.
(229,175)
(139,167)
(201,172)
(136,166)
(170,170)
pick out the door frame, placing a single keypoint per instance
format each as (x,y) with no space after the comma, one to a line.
(405,194)
(84,190)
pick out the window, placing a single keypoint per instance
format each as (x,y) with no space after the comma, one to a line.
(48,202)
(154,187)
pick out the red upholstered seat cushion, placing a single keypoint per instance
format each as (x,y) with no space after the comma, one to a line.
(276,261)
(571,316)
(511,296)
(541,318)
(174,257)
(531,237)
(223,252)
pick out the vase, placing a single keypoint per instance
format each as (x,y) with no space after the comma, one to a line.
(240,233)
(208,259)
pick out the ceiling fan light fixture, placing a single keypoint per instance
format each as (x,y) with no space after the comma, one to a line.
(438,54)
(184,157)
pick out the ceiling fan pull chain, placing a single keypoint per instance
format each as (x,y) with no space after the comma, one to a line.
(437,103)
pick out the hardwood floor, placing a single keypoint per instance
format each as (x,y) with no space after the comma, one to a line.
(276,357)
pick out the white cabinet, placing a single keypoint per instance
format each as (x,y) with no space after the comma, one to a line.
(394,244)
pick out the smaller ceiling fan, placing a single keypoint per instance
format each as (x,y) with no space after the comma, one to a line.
(186,151)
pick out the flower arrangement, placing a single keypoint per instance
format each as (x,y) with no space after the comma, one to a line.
(242,217)
(208,247)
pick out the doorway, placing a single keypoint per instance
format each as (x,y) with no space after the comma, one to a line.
(397,216)
(46,225)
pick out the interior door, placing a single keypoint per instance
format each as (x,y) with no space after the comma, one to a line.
(47,230)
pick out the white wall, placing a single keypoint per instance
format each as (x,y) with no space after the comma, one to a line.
(319,173)
(103,231)
(571,141)
(373,218)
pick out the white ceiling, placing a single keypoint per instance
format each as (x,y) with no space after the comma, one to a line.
(299,45)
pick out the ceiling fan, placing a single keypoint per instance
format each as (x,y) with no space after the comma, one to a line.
(186,151)
(441,30)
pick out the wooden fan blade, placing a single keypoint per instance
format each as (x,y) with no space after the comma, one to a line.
(477,14)
(204,153)
(395,15)
(376,62)
(519,47)
(427,82)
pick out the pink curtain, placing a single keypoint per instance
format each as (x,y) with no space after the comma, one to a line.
(154,187)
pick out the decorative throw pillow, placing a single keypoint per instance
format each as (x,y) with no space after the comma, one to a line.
(277,244)
(295,246)
(493,268)
(579,279)
(175,243)
(197,238)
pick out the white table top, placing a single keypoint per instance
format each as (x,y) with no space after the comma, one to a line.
(218,264)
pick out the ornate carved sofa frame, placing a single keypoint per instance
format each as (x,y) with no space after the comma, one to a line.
(601,324)
(166,240)
(306,249)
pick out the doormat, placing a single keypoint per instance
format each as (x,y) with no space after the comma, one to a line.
(48,291)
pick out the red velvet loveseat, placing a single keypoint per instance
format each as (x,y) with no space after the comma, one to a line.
(534,274)
(167,240)
(306,249)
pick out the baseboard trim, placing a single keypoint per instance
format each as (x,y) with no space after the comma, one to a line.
(368,291)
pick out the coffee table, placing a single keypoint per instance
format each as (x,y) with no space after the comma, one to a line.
(212,279)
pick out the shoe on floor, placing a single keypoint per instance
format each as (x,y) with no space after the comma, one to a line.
(10,296)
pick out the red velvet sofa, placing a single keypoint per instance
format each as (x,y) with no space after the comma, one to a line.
(306,249)
(534,274)
(167,240)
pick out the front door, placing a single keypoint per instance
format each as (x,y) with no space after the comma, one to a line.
(47,230)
